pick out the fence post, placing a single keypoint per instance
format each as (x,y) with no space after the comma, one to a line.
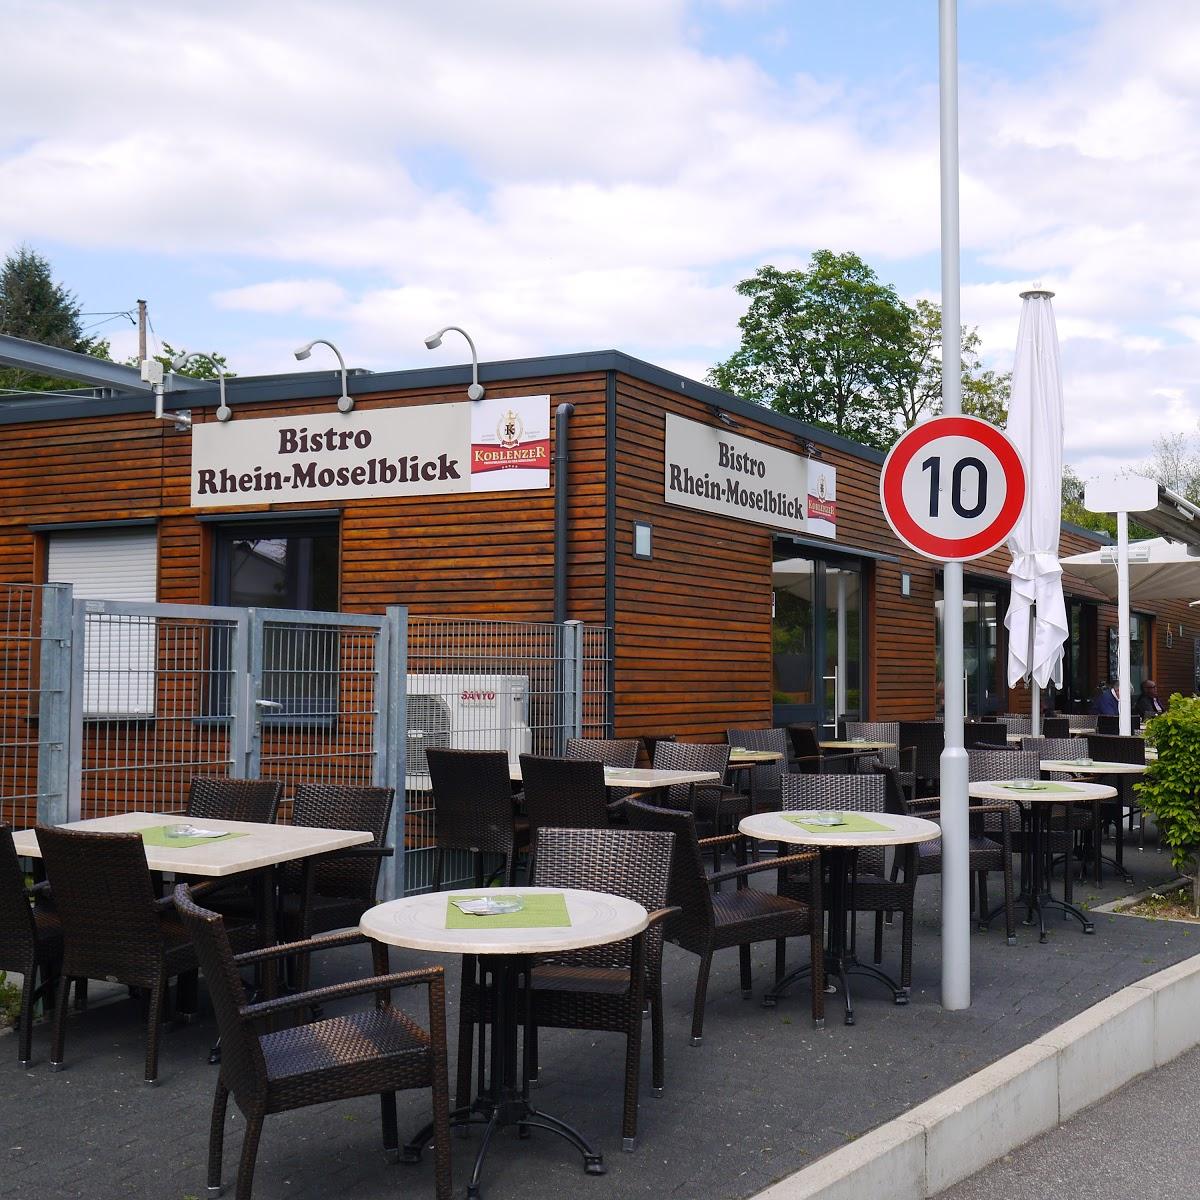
(241,706)
(54,706)
(572,668)
(395,738)
(78,664)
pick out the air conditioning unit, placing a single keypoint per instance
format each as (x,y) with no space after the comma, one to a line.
(464,712)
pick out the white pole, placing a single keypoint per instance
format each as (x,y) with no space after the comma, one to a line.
(1035,714)
(1126,724)
(956,881)
(842,653)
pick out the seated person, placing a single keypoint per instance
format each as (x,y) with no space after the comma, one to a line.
(1148,704)
(1107,701)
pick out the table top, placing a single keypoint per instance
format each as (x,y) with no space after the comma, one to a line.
(419,923)
(263,845)
(998,789)
(854,744)
(1092,768)
(741,757)
(901,831)
(639,777)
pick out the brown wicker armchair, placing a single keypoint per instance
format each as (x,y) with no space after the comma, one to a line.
(30,940)
(224,799)
(334,890)
(379,1050)
(929,740)
(600,988)
(113,927)
(903,759)
(473,810)
(563,793)
(870,890)
(718,805)
(612,752)
(708,921)
(1128,749)
(766,776)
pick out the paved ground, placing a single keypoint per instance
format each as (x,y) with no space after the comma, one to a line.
(1140,1142)
(764,1095)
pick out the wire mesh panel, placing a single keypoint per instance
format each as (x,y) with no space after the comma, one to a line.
(158,703)
(511,686)
(26,741)
(320,697)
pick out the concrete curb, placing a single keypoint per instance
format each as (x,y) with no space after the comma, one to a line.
(959,1131)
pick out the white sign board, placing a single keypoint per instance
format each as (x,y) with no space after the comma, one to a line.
(716,471)
(491,445)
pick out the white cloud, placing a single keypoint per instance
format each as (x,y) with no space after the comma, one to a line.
(570,176)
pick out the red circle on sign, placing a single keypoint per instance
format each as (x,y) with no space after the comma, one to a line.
(909,531)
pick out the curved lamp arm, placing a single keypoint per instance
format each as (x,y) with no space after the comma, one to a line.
(345,403)
(181,360)
(434,340)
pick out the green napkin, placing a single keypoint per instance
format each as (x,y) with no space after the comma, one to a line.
(543,910)
(853,823)
(156,835)
(1042,787)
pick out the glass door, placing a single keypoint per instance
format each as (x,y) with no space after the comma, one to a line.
(816,675)
(986,691)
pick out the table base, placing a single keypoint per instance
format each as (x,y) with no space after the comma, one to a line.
(839,963)
(502,1102)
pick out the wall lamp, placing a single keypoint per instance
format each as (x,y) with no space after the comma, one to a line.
(345,404)
(723,416)
(181,360)
(434,340)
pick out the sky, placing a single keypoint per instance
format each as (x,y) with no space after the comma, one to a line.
(564,176)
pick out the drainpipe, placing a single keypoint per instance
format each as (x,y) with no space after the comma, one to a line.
(562,416)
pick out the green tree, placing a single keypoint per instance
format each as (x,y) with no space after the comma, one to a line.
(817,345)
(200,367)
(34,307)
(835,347)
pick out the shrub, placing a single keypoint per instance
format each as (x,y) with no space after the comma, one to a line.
(1170,789)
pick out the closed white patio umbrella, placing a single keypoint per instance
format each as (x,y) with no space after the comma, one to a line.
(1037,614)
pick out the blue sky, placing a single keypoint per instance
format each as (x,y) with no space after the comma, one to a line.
(559,177)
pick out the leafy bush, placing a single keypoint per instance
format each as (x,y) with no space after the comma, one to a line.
(10,1001)
(1170,789)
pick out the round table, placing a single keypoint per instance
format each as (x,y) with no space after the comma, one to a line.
(1039,801)
(838,850)
(419,923)
(743,761)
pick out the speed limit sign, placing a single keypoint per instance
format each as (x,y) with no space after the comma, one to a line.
(953,488)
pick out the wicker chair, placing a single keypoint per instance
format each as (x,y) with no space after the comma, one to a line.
(870,889)
(1129,749)
(564,793)
(30,940)
(708,921)
(1056,727)
(902,759)
(223,799)
(766,776)
(983,854)
(929,739)
(1017,725)
(809,759)
(602,987)
(985,735)
(473,809)
(379,1050)
(334,890)
(1081,723)
(718,805)
(612,752)
(113,927)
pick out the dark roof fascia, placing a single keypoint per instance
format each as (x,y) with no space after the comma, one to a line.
(1095,535)
(315,385)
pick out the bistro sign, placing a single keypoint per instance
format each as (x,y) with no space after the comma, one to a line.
(718,472)
(492,445)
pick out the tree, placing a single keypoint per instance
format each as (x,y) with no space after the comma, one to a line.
(34,307)
(200,367)
(817,346)
(835,347)
(1175,463)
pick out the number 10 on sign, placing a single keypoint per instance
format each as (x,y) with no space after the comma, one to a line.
(953,488)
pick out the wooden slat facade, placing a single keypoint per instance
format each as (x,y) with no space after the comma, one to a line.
(692,626)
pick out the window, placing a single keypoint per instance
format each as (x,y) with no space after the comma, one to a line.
(290,565)
(119,650)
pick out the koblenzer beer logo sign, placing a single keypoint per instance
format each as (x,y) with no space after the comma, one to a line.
(710,469)
(490,445)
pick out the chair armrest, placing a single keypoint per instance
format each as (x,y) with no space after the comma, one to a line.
(720,839)
(661,914)
(339,991)
(327,941)
(809,856)
(931,802)
(204,888)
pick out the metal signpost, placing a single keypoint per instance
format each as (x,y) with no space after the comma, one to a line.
(953,488)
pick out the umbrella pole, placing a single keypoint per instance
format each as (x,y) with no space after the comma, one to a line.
(1035,715)
(1124,699)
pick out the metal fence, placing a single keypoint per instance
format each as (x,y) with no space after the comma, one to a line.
(519,687)
(113,706)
